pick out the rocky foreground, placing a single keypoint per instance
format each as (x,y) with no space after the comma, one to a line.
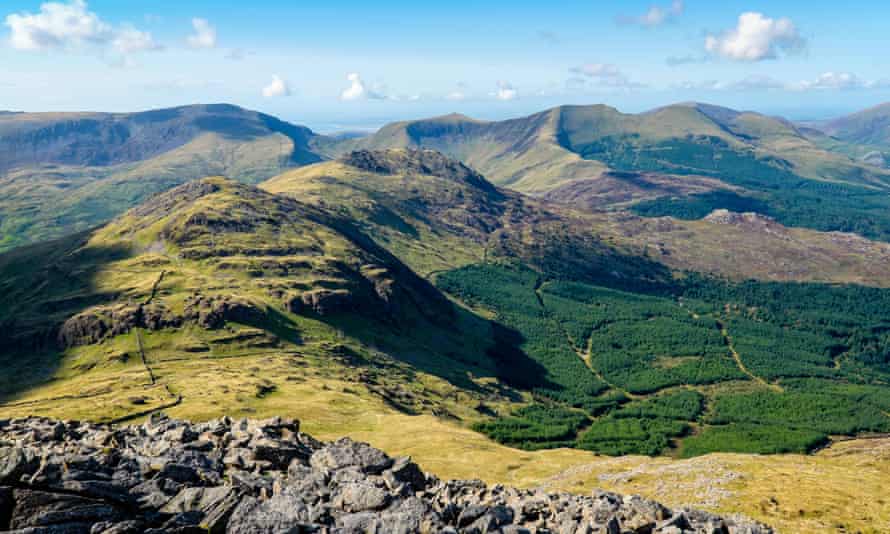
(266,477)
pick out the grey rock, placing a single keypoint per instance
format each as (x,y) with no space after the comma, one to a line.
(247,476)
(347,453)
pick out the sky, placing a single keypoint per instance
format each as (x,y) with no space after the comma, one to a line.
(355,65)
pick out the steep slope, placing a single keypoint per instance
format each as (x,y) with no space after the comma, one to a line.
(618,337)
(680,157)
(867,127)
(66,172)
(864,136)
(538,152)
(522,153)
(437,214)
(165,304)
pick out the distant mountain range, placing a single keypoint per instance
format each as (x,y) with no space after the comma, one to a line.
(89,167)
(65,172)
(679,282)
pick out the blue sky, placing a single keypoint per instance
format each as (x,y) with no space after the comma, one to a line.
(349,64)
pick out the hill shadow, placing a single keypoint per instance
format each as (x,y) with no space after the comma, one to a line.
(41,286)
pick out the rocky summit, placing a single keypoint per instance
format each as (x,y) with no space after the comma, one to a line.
(265,476)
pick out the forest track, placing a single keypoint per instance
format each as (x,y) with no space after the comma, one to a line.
(738,359)
(586,355)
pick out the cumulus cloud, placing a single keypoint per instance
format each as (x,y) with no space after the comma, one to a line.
(278,87)
(58,26)
(603,75)
(204,36)
(129,41)
(655,16)
(755,38)
(71,27)
(505,91)
(358,90)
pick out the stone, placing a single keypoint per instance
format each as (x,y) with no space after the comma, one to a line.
(404,471)
(35,508)
(348,453)
(264,476)
(361,497)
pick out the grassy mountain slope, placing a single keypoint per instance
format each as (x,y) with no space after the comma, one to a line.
(864,136)
(627,364)
(67,172)
(681,160)
(300,298)
(867,127)
(437,223)
(437,214)
(218,296)
(531,154)
(742,246)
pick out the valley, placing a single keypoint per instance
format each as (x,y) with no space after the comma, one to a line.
(647,321)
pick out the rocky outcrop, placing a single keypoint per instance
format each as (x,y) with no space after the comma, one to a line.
(213,312)
(267,477)
(410,161)
(99,323)
(104,322)
(753,221)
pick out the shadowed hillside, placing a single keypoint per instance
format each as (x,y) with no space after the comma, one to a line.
(214,274)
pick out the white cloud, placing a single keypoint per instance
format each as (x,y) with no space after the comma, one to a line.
(750,83)
(655,16)
(278,87)
(757,83)
(505,91)
(838,81)
(828,81)
(57,26)
(358,90)
(603,75)
(204,36)
(459,93)
(129,40)
(755,38)
(71,27)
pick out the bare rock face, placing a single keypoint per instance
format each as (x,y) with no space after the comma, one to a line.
(749,220)
(101,322)
(265,476)
(213,312)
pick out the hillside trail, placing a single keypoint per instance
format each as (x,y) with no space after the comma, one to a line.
(152,376)
(738,359)
(586,355)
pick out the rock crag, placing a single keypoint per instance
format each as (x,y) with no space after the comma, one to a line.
(265,476)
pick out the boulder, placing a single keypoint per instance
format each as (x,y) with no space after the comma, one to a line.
(264,476)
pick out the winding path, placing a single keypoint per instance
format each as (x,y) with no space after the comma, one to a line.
(586,356)
(738,359)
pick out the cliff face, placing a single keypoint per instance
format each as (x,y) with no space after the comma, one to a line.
(267,477)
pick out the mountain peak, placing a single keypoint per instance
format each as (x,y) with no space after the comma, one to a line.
(414,161)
